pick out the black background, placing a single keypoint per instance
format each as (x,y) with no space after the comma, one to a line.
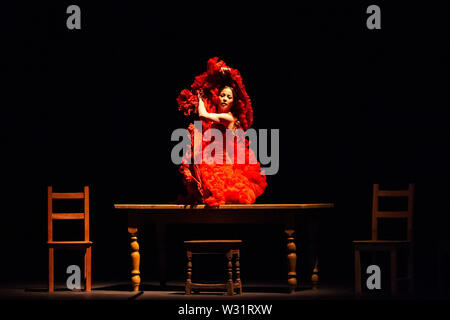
(97,106)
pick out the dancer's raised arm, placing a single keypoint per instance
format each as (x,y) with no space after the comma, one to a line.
(216,117)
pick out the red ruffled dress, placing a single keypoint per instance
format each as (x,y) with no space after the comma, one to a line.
(208,179)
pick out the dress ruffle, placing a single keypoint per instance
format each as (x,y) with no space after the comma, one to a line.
(230,182)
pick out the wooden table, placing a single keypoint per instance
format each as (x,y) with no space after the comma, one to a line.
(164,214)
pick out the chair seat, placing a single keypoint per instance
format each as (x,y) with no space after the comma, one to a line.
(69,244)
(213,241)
(212,246)
(380,244)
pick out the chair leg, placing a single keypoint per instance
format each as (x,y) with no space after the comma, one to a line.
(87,269)
(357,272)
(238,271)
(51,269)
(393,254)
(85,264)
(230,286)
(410,270)
(188,283)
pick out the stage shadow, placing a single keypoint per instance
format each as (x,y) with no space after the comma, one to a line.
(245,289)
(142,287)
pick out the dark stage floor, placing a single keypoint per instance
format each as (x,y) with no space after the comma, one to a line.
(110,298)
(175,291)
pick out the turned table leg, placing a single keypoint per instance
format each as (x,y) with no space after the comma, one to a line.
(313,255)
(135,259)
(292,260)
(315,276)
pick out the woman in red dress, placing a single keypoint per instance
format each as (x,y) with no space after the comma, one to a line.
(219,98)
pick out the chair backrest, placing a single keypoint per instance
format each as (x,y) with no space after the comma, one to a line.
(408,214)
(68,216)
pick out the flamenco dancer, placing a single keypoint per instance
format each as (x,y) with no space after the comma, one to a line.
(219,99)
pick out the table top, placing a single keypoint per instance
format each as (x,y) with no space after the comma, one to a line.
(228,213)
(227,207)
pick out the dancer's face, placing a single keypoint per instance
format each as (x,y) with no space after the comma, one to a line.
(226,100)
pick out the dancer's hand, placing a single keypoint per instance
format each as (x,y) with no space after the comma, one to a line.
(225,70)
(187,176)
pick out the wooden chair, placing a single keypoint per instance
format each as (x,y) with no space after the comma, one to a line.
(69,245)
(230,248)
(390,246)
